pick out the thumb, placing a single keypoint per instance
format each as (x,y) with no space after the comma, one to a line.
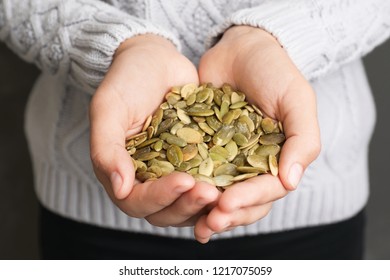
(111,162)
(299,116)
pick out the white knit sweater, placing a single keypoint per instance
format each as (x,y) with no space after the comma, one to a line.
(73,41)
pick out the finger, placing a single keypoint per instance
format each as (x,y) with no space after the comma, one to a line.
(255,191)
(202,232)
(153,196)
(301,128)
(112,163)
(211,69)
(187,206)
(218,221)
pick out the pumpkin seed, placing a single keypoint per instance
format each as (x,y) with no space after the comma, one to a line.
(175,155)
(147,123)
(172,139)
(273,165)
(244,176)
(266,150)
(258,161)
(190,135)
(206,131)
(232,149)
(156,170)
(189,152)
(226,168)
(187,89)
(146,156)
(273,138)
(268,125)
(223,180)
(202,178)
(223,135)
(183,116)
(206,167)
(238,105)
(240,139)
(144,176)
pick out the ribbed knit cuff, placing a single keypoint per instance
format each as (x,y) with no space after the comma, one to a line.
(96,41)
(300,33)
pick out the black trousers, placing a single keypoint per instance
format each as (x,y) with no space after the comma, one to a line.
(62,238)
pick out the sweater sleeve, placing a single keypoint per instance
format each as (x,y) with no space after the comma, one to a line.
(318,35)
(75,39)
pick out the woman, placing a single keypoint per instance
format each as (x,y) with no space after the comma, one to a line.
(297,61)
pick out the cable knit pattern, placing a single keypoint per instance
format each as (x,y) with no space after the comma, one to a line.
(321,35)
(74,39)
(73,43)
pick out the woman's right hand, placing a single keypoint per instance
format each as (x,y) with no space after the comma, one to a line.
(144,68)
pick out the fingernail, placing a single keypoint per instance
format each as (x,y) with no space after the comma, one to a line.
(116,182)
(295,174)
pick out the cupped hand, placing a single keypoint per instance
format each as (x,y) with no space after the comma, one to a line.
(144,68)
(252,60)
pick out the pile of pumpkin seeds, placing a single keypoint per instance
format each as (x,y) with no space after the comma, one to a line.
(211,133)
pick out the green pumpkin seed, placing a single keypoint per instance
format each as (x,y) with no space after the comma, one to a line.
(191,136)
(156,170)
(223,135)
(258,161)
(250,169)
(267,125)
(273,138)
(200,112)
(196,161)
(203,178)
(244,176)
(232,149)
(147,123)
(175,155)
(217,157)
(273,165)
(206,167)
(220,151)
(223,180)
(189,152)
(206,131)
(187,89)
(141,166)
(146,156)
(147,142)
(184,166)
(228,117)
(203,150)
(226,168)
(206,128)
(183,116)
(266,150)
(227,89)
(144,176)
(218,97)
(203,95)
(214,123)
(191,99)
(172,139)
(239,104)
(240,139)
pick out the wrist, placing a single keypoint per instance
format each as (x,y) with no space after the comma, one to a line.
(243,34)
(145,41)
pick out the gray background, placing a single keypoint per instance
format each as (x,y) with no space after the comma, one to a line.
(18,204)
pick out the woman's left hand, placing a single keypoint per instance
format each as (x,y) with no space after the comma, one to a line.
(252,60)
